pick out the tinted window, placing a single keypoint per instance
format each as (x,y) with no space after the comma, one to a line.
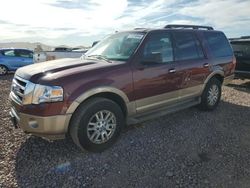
(159,44)
(218,44)
(10,53)
(24,53)
(187,46)
(241,49)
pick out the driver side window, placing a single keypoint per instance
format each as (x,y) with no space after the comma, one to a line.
(158,49)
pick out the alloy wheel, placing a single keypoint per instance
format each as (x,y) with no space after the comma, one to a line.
(3,70)
(213,95)
(101,127)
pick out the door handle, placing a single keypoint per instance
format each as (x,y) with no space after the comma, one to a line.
(171,70)
(205,65)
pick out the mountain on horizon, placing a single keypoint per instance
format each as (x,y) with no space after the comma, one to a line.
(32,46)
(27,45)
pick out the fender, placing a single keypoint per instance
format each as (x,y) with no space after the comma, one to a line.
(219,72)
(130,105)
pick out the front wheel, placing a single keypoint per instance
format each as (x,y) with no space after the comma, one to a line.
(96,124)
(211,95)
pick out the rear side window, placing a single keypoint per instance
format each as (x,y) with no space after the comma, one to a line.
(218,44)
(24,53)
(187,46)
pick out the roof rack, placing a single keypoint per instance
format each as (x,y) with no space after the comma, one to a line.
(188,27)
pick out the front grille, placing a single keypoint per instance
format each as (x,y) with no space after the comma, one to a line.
(18,88)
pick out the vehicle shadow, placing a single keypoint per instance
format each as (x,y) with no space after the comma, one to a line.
(245,86)
(40,163)
(7,77)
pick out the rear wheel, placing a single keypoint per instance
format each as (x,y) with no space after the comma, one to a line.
(96,124)
(3,70)
(211,95)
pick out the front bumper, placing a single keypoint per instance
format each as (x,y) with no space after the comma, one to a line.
(50,127)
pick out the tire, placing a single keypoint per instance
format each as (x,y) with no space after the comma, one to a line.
(3,70)
(85,124)
(211,95)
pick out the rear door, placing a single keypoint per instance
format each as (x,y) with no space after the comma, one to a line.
(25,57)
(191,63)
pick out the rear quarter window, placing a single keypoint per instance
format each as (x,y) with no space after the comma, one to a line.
(24,53)
(218,44)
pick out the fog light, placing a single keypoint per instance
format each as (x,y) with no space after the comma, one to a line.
(33,124)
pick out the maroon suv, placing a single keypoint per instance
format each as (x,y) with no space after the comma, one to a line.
(124,79)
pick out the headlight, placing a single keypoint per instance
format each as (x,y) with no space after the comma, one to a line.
(47,94)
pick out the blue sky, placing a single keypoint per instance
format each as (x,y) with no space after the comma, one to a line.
(80,22)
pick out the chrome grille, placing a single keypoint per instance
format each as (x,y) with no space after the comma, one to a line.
(18,88)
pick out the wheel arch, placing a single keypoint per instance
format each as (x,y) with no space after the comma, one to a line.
(218,74)
(1,64)
(111,93)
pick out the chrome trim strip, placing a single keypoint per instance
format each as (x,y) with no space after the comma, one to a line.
(13,113)
(22,87)
(13,97)
(19,94)
(19,78)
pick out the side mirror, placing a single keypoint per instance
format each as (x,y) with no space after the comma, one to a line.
(94,43)
(153,58)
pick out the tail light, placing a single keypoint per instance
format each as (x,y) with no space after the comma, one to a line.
(233,64)
(234,60)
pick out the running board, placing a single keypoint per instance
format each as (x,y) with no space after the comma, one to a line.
(162,111)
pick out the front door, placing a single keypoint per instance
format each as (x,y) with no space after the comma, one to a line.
(156,79)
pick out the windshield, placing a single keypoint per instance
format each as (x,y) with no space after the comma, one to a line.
(118,47)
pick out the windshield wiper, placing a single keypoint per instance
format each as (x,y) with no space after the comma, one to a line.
(101,57)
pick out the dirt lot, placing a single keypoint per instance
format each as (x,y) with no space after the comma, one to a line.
(185,149)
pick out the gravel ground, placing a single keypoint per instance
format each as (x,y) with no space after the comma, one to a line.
(185,149)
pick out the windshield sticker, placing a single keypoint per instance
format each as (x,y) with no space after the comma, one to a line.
(135,36)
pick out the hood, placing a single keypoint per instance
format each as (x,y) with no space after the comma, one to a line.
(58,67)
